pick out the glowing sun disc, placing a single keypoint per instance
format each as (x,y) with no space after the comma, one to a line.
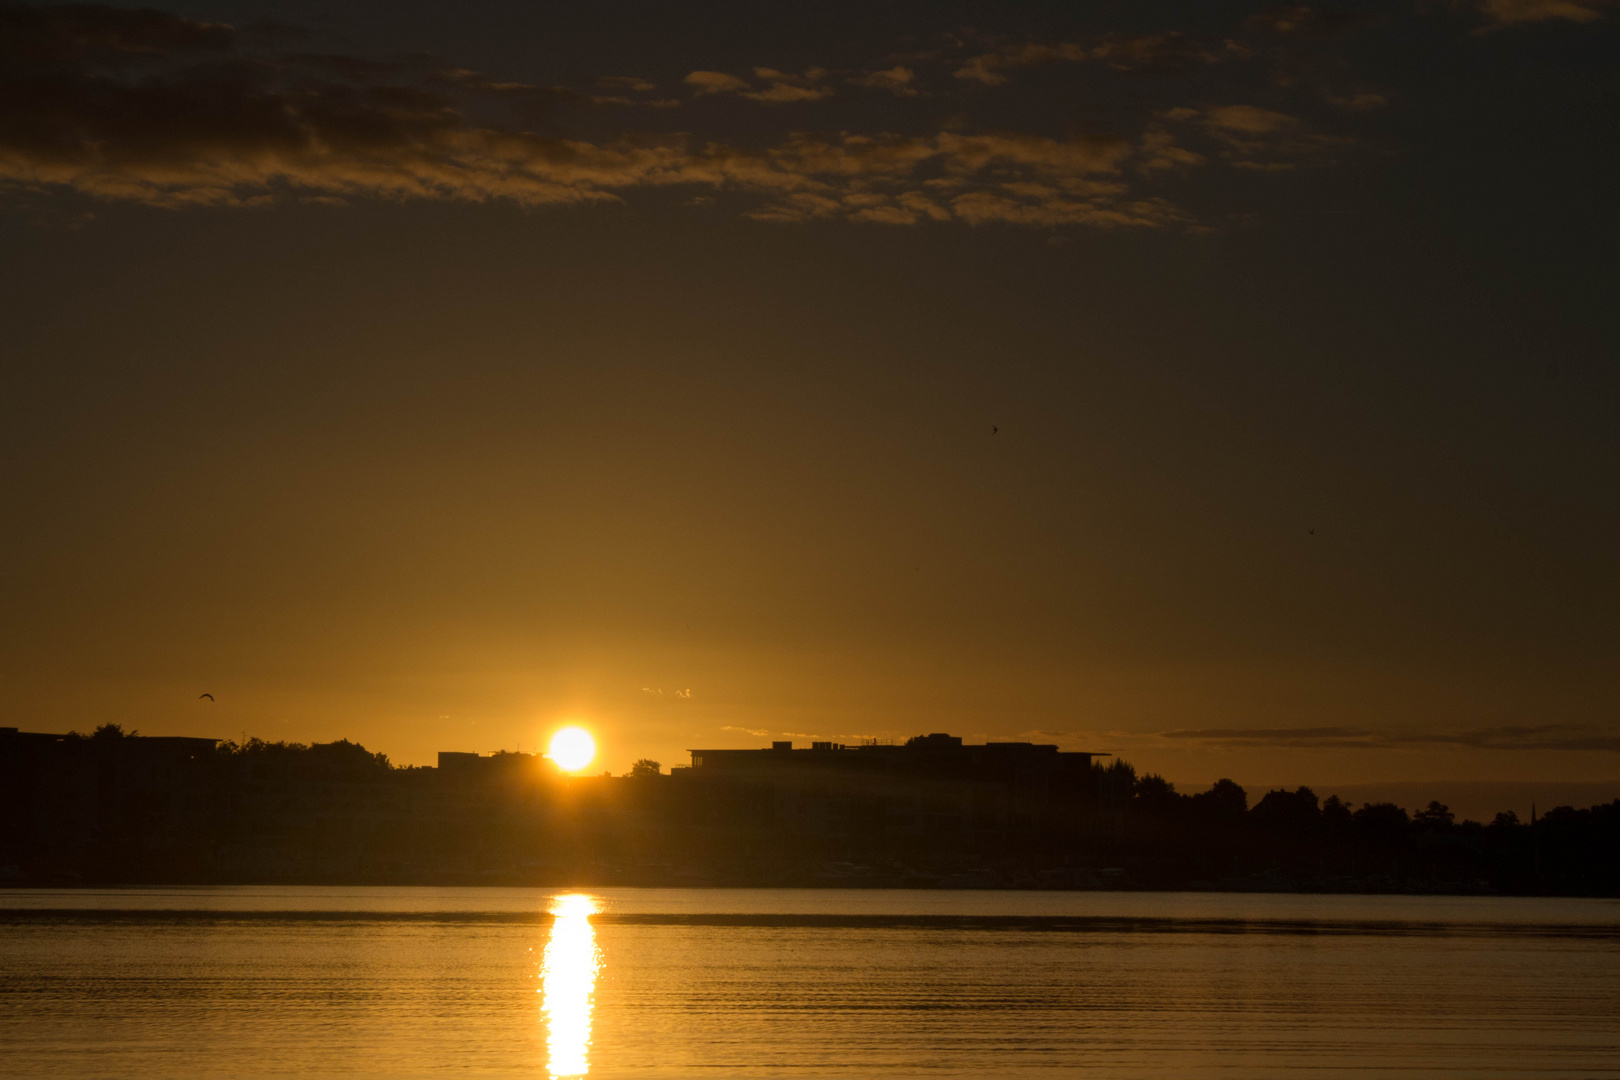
(572,748)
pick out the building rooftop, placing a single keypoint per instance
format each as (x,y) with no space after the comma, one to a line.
(936,755)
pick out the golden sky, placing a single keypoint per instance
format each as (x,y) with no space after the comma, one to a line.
(1235,393)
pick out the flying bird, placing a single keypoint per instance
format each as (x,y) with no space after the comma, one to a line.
(1311,531)
(210,697)
(994,429)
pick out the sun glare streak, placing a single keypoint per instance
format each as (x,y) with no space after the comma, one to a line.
(572,748)
(568,977)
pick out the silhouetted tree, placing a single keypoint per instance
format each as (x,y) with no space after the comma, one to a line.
(112,733)
(1335,811)
(645,769)
(1224,801)
(1293,814)
(1381,824)
(341,757)
(1155,795)
(1436,817)
(1116,782)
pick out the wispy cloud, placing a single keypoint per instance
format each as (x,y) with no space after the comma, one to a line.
(149,107)
(1499,13)
(991,68)
(1160,53)
(1358,100)
(715,82)
(1505,737)
(627,82)
(896,80)
(771,87)
(1302,20)
(1003,178)
(153,108)
(630,90)
(1250,137)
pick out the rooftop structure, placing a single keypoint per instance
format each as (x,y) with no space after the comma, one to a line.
(926,757)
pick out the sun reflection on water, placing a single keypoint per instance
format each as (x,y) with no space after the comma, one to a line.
(568,978)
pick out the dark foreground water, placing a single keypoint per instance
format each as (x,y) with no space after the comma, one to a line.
(715,983)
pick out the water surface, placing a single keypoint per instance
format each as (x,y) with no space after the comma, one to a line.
(215,982)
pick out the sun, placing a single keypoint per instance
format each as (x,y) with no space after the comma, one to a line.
(572,748)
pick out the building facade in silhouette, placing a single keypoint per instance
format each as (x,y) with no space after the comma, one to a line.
(930,805)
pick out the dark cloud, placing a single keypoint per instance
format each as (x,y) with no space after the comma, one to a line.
(147,106)
(75,34)
(200,120)
(151,107)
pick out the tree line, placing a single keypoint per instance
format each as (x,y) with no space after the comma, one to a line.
(1296,837)
(114,806)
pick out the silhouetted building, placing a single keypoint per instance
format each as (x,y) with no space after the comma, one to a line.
(932,802)
(937,756)
(486,767)
(113,800)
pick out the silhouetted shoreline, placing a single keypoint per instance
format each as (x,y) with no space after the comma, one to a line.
(121,809)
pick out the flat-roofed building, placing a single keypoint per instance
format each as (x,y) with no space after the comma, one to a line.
(938,756)
(931,800)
